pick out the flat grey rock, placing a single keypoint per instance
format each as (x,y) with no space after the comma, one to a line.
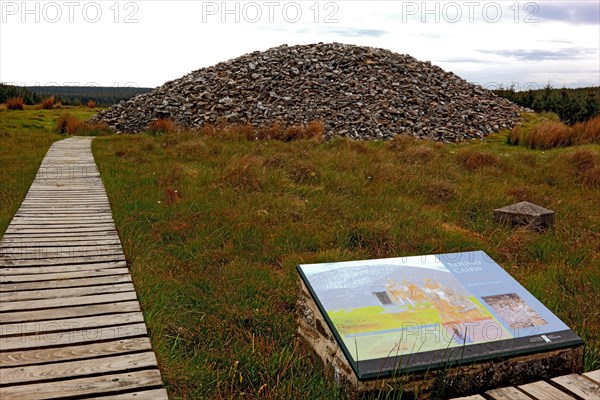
(525,213)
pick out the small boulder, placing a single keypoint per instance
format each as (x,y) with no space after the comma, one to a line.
(525,213)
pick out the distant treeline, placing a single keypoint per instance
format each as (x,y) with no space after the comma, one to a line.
(70,95)
(571,105)
(9,91)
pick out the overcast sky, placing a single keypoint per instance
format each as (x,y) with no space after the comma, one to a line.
(146,43)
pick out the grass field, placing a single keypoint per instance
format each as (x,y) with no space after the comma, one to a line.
(25,136)
(214,225)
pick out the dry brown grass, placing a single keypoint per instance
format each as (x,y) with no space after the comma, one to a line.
(400,142)
(15,103)
(515,136)
(244,173)
(473,159)
(303,172)
(91,104)
(419,154)
(588,131)
(548,135)
(438,191)
(161,126)
(68,124)
(591,177)
(278,131)
(585,166)
(582,160)
(48,103)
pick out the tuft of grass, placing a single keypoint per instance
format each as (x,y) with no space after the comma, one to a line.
(400,142)
(474,159)
(419,154)
(161,126)
(549,135)
(48,103)
(15,103)
(245,173)
(278,131)
(439,191)
(582,160)
(584,165)
(70,125)
(587,132)
(545,132)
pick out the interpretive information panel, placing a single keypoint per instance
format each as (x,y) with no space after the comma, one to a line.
(395,315)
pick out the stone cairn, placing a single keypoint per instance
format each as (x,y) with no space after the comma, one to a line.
(357,92)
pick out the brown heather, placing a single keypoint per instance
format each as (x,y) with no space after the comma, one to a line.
(15,103)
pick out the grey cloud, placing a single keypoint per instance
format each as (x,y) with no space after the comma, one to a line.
(544,55)
(575,12)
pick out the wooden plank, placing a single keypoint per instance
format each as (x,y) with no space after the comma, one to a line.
(42,217)
(60,261)
(473,397)
(593,375)
(104,384)
(61,229)
(6,271)
(69,312)
(33,248)
(57,325)
(44,253)
(55,214)
(543,390)
(507,393)
(66,292)
(155,394)
(65,235)
(58,251)
(41,277)
(62,220)
(70,369)
(59,241)
(579,386)
(65,283)
(65,208)
(57,208)
(66,301)
(70,338)
(85,386)
(88,350)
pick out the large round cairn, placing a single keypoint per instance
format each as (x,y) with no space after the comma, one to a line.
(359,92)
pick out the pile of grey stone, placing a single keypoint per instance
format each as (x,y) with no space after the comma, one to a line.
(358,92)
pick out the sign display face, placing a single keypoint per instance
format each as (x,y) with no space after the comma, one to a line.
(415,313)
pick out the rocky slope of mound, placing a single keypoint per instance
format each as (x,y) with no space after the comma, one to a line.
(359,92)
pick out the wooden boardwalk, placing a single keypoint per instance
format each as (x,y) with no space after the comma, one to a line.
(70,321)
(568,387)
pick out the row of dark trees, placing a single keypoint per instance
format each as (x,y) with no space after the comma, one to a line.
(9,91)
(571,105)
(70,95)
